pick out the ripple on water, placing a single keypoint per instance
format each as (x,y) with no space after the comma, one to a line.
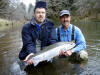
(16,70)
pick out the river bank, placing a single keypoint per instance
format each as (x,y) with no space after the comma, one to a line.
(5,25)
(75,19)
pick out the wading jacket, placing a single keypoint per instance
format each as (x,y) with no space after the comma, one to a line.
(46,33)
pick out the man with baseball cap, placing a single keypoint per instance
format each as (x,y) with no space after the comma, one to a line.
(69,32)
(39,32)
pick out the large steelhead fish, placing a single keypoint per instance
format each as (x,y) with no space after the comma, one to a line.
(51,51)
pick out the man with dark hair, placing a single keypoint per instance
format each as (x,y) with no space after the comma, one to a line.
(39,32)
(68,32)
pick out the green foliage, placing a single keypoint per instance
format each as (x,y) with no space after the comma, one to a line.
(87,9)
(3,7)
(54,6)
(3,4)
(80,9)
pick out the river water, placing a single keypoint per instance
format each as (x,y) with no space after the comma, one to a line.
(11,43)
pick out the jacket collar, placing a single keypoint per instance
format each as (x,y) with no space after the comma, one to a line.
(32,21)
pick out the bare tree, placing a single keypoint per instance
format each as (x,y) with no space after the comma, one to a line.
(3,8)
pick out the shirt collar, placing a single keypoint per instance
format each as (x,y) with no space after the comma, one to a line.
(69,28)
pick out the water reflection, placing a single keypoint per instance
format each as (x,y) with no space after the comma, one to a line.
(59,66)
